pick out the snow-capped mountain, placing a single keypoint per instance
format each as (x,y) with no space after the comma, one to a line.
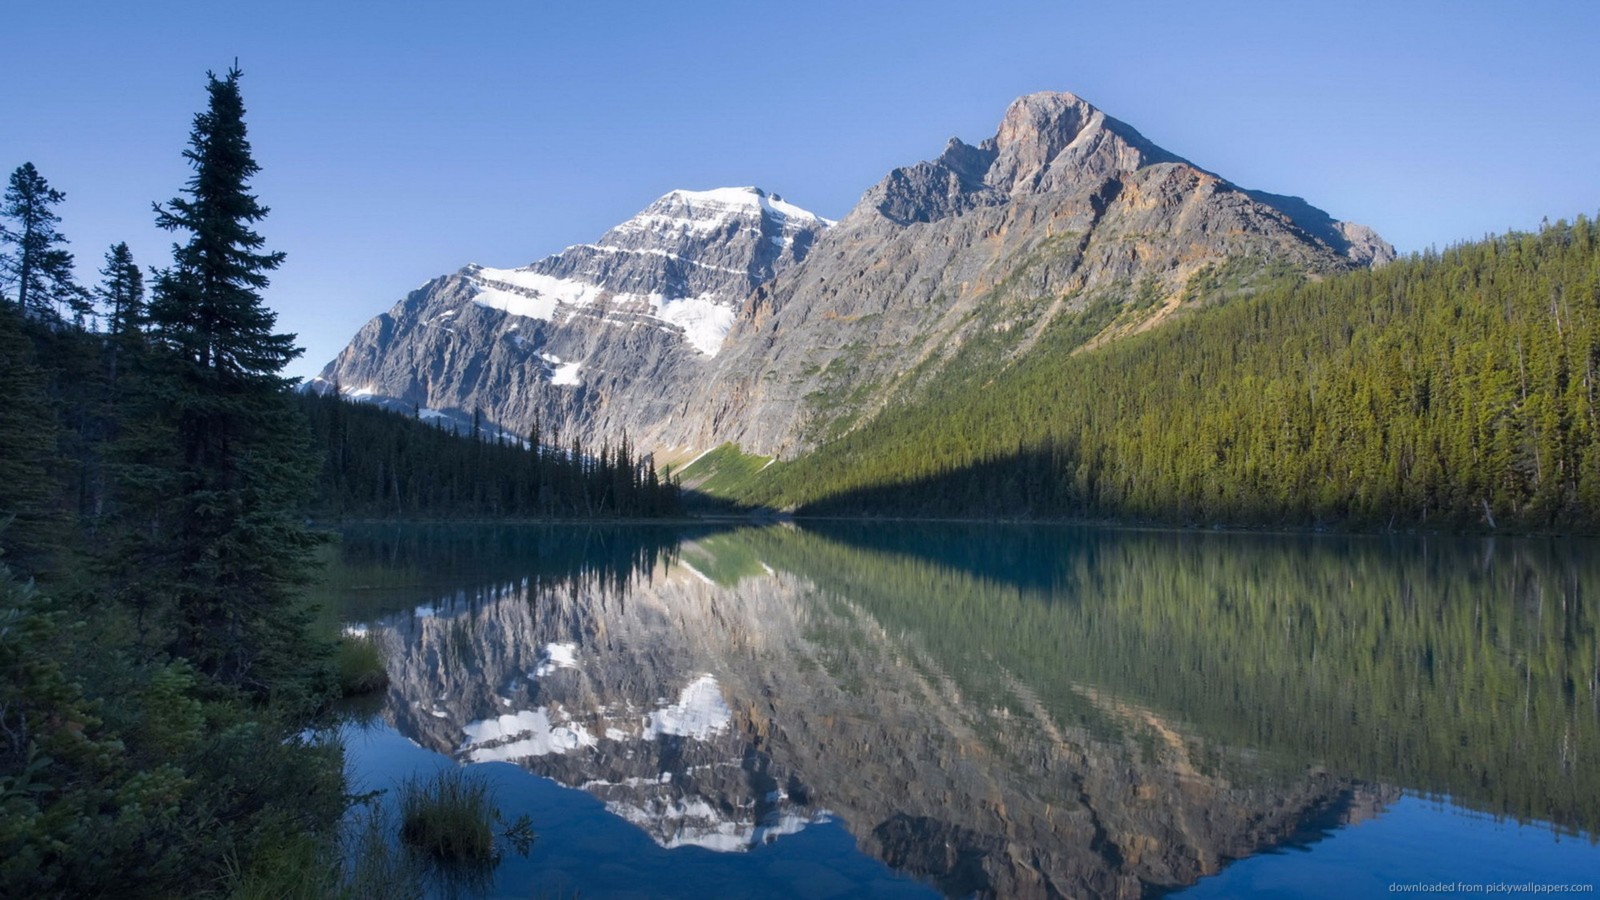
(730,315)
(591,338)
(687,260)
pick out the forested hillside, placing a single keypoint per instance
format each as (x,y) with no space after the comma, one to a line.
(1452,389)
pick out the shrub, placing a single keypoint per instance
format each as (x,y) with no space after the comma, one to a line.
(448,816)
(360,664)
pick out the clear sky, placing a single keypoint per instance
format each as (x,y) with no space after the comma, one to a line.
(401,140)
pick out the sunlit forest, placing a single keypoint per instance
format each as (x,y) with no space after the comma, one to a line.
(1453,389)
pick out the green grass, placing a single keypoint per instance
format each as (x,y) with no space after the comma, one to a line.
(301,867)
(362,865)
(448,817)
(360,665)
(725,472)
(375,868)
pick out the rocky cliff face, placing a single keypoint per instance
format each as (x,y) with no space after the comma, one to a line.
(784,330)
(591,341)
(722,715)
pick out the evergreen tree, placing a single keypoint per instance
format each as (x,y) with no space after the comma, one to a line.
(39,266)
(122,294)
(218,451)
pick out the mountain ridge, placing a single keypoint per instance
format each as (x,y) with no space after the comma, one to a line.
(798,328)
(1072,207)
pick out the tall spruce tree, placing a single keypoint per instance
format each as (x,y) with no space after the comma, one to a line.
(122,292)
(218,450)
(39,265)
(122,296)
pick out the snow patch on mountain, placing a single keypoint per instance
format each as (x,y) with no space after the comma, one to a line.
(517,304)
(704,321)
(747,199)
(699,713)
(566,375)
(529,732)
(556,656)
(532,295)
(701,213)
(563,374)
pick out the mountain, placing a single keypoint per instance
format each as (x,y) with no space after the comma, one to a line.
(764,326)
(591,340)
(1065,207)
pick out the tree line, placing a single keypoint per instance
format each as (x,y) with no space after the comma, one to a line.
(384,463)
(1453,389)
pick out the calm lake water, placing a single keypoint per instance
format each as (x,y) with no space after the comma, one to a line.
(915,710)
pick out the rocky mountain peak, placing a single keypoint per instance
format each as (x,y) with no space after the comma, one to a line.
(726,201)
(1040,125)
(1051,141)
(685,220)
(637,314)
(1063,208)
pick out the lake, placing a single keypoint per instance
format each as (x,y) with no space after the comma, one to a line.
(898,710)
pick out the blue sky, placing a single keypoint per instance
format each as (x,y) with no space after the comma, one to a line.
(401,140)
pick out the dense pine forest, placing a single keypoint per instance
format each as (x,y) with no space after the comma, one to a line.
(381,463)
(1454,389)
(160,661)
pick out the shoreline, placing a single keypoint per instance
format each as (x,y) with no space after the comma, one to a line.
(776,517)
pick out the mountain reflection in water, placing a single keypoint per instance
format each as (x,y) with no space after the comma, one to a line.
(1028,711)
